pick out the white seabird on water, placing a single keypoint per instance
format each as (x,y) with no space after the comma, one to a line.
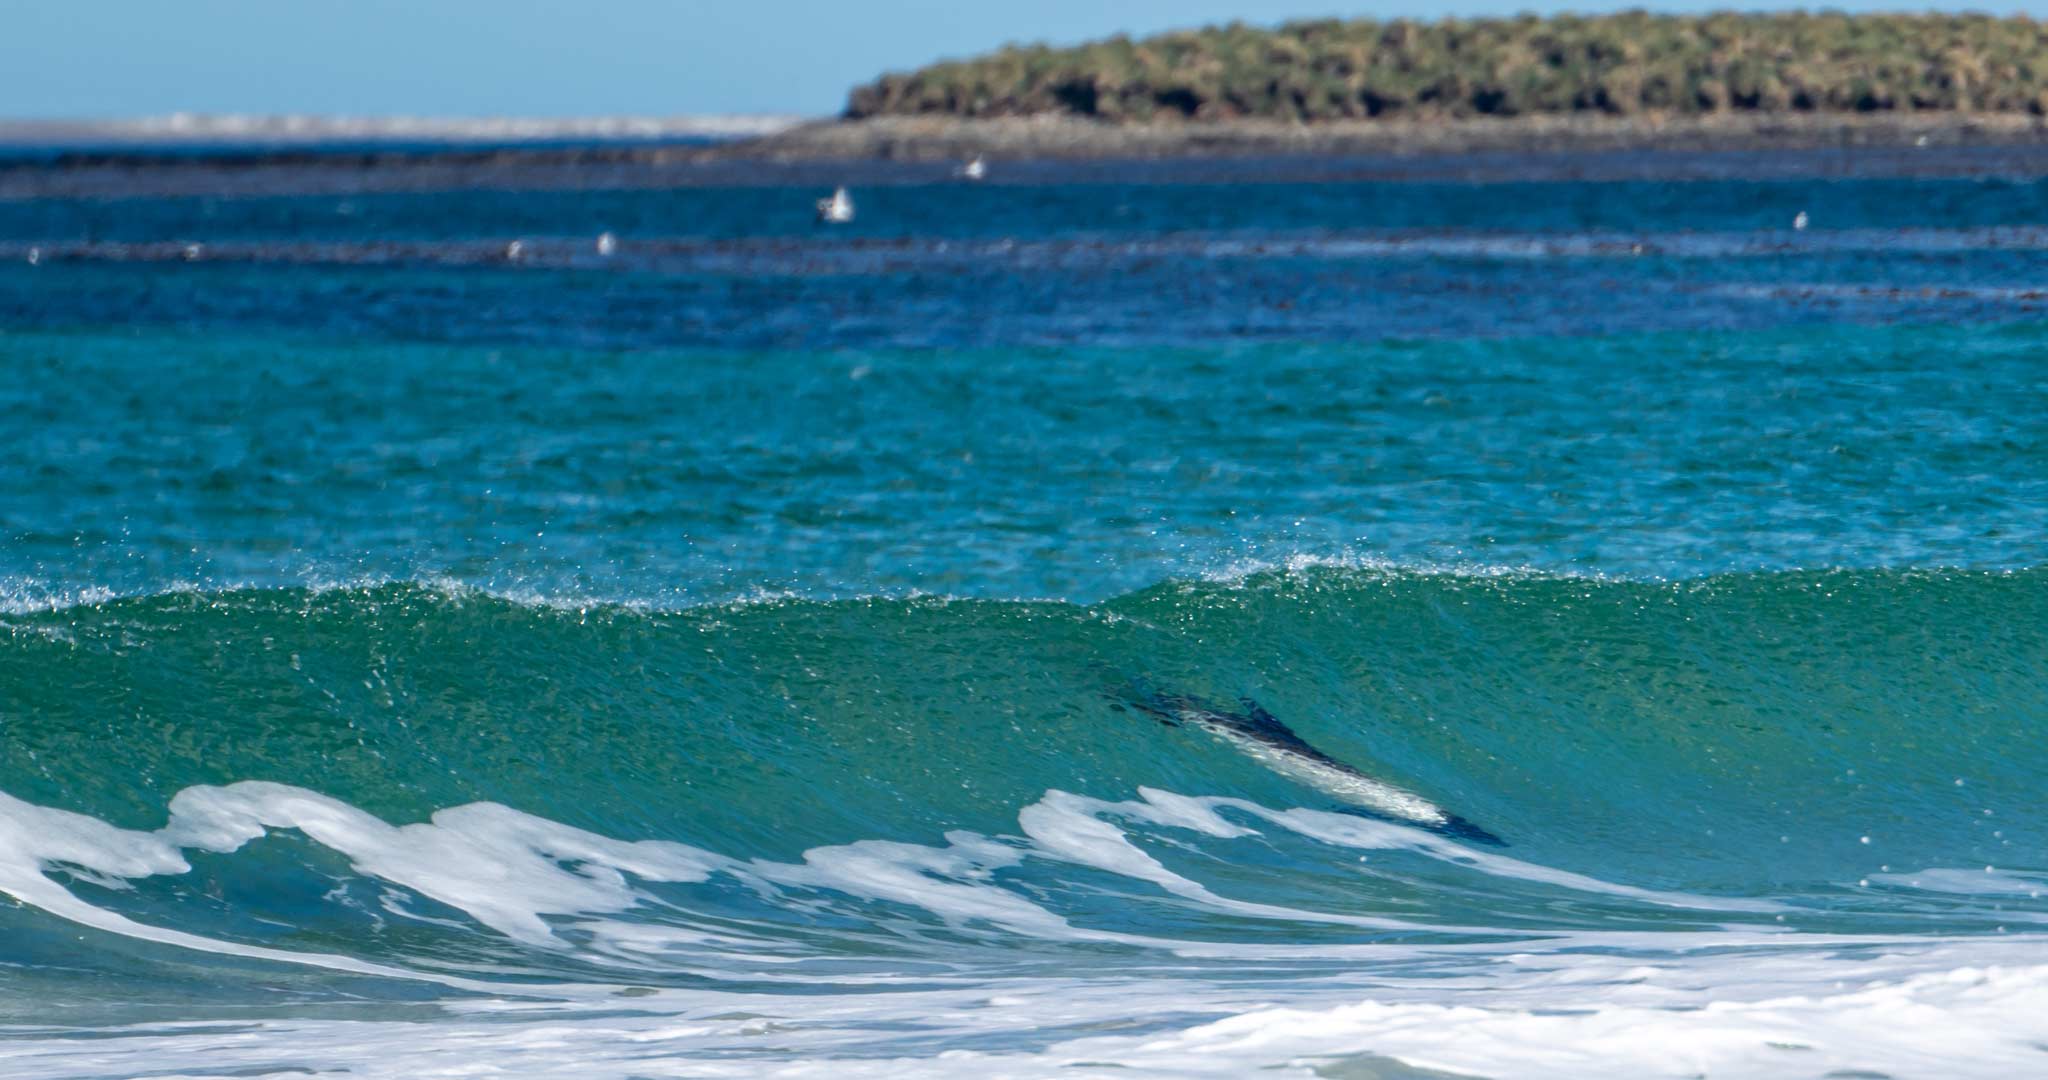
(1799,220)
(837,210)
(607,243)
(976,169)
(514,250)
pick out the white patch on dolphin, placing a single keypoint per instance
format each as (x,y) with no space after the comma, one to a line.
(1262,737)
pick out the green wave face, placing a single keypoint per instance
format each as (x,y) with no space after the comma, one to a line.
(1733,739)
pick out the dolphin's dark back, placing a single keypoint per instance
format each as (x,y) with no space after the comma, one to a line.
(1252,723)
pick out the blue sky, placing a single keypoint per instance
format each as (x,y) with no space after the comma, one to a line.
(105,58)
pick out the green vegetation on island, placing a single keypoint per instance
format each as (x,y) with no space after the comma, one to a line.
(1626,64)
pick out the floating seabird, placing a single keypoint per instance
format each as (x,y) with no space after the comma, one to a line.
(837,210)
(607,243)
(35,256)
(514,250)
(974,170)
(193,251)
(1799,220)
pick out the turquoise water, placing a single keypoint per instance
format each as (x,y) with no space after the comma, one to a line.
(716,658)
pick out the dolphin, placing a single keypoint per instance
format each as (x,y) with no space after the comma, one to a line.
(1261,736)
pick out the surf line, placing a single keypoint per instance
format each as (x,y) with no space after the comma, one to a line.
(1262,737)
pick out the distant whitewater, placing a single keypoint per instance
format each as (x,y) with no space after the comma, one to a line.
(209,128)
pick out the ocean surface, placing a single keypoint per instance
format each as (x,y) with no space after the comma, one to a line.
(767,650)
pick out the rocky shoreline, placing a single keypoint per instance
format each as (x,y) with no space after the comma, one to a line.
(889,150)
(939,138)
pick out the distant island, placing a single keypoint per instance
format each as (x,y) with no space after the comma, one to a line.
(1627,96)
(1625,65)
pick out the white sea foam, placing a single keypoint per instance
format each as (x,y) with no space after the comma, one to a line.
(505,868)
(951,882)
(1939,1011)
(1068,827)
(1961,1021)
(1987,881)
(34,840)
(1242,570)
(1474,1000)
(1355,832)
(25,598)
